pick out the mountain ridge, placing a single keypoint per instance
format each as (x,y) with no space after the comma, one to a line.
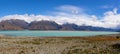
(16,24)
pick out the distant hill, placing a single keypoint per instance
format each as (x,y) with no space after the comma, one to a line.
(69,27)
(43,25)
(15,24)
(84,28)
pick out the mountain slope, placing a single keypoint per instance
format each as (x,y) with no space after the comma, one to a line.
(13,24)
(43,25)
(69,27)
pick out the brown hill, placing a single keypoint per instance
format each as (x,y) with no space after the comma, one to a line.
(16,24)
(43,25)
(13,24)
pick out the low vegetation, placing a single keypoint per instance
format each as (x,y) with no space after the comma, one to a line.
(60,45)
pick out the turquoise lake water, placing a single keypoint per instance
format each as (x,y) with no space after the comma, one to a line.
(55,33)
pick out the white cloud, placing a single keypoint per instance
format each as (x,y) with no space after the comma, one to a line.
(115,10)
(107,6)
(26,17)
(109,20)
(70,8)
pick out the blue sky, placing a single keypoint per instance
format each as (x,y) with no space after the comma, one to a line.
(101,13)
(96,7)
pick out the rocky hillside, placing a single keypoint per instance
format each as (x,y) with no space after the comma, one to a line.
(15,24)
(69,27)
(84,28)
(43,25)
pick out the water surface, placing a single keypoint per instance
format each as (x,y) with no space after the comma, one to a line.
(55,33)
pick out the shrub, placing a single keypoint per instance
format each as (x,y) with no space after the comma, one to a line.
(116,46)
(117,37)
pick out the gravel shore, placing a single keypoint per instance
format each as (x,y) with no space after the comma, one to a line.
(108,44)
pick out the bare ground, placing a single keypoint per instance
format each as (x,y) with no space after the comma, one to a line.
(101,44)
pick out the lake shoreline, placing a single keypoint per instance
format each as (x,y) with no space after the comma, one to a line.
(60,45)
(63,36)
(56,33)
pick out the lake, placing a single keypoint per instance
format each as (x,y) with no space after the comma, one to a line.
(55,33)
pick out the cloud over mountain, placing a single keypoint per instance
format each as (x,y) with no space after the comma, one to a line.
(70,9)
(73,14)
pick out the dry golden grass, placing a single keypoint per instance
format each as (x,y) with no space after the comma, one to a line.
(103,38)
(60,45)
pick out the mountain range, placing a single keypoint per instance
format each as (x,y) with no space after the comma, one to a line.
(16,24)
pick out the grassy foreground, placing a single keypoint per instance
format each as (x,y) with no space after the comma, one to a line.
(109,44)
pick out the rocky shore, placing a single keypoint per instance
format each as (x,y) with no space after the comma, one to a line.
(109,44)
